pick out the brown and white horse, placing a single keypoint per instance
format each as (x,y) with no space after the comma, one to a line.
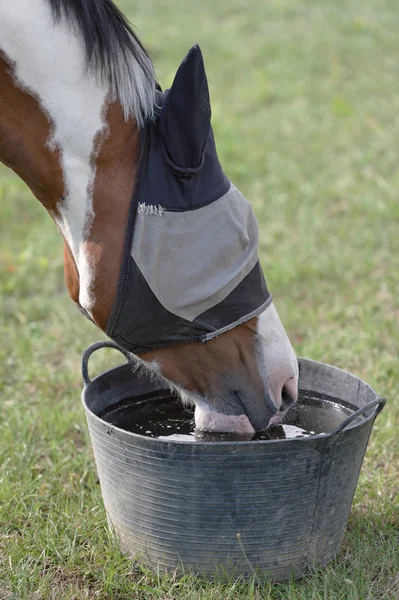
(76,88)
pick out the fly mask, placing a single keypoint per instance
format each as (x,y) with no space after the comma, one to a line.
(190,269)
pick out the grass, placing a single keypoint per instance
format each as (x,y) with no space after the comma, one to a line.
(305,110)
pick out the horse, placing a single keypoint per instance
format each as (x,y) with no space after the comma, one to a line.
(80,107)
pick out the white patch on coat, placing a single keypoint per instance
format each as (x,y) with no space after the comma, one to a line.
(50,64)
(277,363)
(153,370)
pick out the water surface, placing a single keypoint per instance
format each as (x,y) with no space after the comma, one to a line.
(162,416)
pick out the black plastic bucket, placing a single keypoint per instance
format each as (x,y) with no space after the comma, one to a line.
(278,508)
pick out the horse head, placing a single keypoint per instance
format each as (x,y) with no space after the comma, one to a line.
(160,246)
(195,250)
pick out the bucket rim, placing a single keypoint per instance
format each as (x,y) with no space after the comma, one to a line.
(377,404)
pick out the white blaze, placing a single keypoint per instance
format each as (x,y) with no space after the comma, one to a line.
(50,63)
(277,362)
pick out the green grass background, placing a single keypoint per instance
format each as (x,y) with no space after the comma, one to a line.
(305,101)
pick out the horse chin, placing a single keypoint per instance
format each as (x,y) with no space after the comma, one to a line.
(210,420)
(276,419)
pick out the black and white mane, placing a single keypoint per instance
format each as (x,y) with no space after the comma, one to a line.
(113,53)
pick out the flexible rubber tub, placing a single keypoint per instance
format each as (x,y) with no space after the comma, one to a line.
(277,508)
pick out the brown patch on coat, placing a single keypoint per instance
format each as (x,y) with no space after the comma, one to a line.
(25,130)
(115,160)
(201,367)
(71,274)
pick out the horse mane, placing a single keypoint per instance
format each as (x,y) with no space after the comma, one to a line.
(114,54)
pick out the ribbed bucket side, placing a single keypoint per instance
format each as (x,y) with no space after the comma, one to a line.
(187,507)
(338,481)
(181,505)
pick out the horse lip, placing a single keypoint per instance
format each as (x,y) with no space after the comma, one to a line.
(269,404)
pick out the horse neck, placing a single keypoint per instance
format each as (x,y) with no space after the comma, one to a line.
(77,154)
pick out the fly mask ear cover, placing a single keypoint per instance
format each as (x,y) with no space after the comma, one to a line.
(191,268)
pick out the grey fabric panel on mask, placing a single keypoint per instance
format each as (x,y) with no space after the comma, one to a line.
(194,259)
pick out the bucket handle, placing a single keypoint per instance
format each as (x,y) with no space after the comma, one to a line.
(378,402)
(96,346)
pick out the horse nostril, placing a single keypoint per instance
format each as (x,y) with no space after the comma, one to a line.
(287,400)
